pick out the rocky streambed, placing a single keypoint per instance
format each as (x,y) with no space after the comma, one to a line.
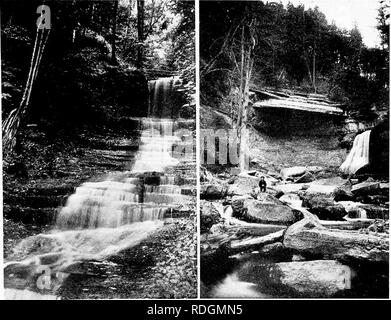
(144,259)
(312,233)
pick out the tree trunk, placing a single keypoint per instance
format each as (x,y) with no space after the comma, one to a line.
(240,100)
(113,46)
(140,33)
(244,136)
(12,123)
(245,77)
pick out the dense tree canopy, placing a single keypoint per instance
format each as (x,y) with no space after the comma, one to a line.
(92,56)
(295,48)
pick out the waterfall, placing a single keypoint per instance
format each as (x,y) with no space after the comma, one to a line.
(102,218)
(358,157)
(156,141)
(111,204)
(164,99)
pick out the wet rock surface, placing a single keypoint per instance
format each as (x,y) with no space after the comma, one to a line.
(163,265)
(333,239)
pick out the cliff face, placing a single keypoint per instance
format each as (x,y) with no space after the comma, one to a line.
(379,149)
(287,122)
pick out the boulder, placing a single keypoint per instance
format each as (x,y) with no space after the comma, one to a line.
(237,204)
(315,279)
(266,197)
(310,237)
(213,191)
(305,178)
(209,216)
(291,199)
(324,207)
(335,212)
(311,200)
(299,279)
(343,194)
(274,192)
(269,212)
(245,184)
(328,186)
(292,172)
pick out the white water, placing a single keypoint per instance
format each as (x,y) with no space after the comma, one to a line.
(157,140)
(358,157)
(103,218)
(232,287)
(162,97)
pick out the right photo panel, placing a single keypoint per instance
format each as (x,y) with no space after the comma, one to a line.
(294,143)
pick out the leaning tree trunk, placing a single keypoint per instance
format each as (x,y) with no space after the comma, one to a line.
(12,123)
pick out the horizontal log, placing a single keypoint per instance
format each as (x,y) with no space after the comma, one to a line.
(252,243)
(355,224)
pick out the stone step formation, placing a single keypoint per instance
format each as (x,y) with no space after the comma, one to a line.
(135,191)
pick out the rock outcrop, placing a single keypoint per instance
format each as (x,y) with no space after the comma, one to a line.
(311,238)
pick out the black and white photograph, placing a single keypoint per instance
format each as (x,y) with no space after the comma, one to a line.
(294,142)
(194,158)
(99,170)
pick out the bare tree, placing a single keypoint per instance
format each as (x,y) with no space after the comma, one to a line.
(12,123)
(245,73)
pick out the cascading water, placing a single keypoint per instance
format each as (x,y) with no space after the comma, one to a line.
(358,157)
(103,218)
(163,97)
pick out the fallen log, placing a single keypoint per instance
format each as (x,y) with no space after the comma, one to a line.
(253,229)
(253,243)
(223,235)
(353,224)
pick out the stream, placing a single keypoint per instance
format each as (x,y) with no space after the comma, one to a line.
(101,219)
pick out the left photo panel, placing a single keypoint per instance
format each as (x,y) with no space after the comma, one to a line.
(98,142)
